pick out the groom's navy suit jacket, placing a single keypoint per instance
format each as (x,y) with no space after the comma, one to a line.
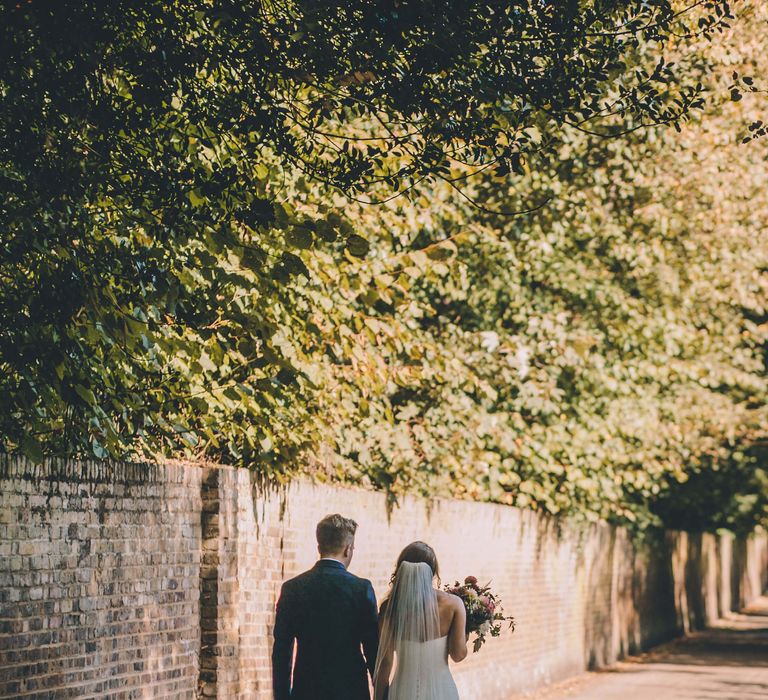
(330,613)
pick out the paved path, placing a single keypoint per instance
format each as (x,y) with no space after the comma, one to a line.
(728,661)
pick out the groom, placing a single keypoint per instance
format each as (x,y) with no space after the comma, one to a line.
(330,613)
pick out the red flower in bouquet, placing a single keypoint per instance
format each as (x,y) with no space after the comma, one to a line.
(484,612)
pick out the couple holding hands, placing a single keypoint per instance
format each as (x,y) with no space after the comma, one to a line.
(341,635)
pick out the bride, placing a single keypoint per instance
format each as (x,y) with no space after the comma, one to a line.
(419,627)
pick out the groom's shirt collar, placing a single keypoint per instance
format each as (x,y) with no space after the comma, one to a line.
(330,561)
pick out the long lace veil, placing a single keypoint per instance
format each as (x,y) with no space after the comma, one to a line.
(409,620)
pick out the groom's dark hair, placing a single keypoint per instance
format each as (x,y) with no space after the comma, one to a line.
(334,532)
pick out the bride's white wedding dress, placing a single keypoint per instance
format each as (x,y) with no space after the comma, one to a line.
(410,639)
(422,672)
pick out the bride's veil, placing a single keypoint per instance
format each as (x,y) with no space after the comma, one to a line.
(409,619)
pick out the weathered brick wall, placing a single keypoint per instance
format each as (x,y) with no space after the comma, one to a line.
(147,581)
(99,580)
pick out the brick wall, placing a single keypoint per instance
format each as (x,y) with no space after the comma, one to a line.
(99,580)
(582,597)
(147,581)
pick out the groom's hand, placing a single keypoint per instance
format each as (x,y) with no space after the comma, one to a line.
(282,650)
(370,628)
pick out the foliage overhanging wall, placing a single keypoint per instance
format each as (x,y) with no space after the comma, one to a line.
(176,277)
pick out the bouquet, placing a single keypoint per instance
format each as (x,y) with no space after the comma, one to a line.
(484,612)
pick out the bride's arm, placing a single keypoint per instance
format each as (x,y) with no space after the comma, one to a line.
(382,677)
(384,661)
(457,635)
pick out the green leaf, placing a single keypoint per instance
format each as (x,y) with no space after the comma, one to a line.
(196,198)
(294,265)
(32,448)
(326,231)
(85,394)
(299,237)
(357,245)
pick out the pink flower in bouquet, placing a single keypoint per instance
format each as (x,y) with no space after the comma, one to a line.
(488,603)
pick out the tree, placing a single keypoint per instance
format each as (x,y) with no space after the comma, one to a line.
(730,493)
(153,290)
(583,358)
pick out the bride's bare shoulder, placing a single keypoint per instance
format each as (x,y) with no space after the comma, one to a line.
(447,599)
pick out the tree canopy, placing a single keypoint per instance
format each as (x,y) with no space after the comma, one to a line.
(432,247)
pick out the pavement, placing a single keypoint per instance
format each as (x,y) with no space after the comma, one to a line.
(728,661)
